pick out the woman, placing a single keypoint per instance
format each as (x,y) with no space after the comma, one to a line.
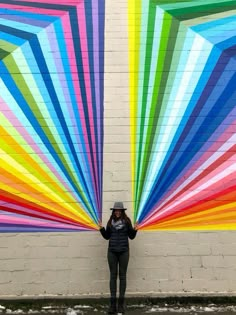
(118,230)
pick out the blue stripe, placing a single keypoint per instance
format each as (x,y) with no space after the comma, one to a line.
(186,148)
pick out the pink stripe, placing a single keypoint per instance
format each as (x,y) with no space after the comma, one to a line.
(23,132)
(215,187)
(214,148)
(31,212)
(207,193)
(75,76)
(69,2)
(205,156)
(9,219)
(72,61)
(85,58)
(33,9)
(208,178)
(96,61)
(64,86)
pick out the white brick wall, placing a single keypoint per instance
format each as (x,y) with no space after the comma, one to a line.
(74,264)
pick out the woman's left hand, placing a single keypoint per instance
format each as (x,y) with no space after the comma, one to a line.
(136,226)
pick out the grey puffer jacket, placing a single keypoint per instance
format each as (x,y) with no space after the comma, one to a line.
(118,238)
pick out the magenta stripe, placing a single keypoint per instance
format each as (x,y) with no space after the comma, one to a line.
(69,2)
(75,75)
(30,140)
(160,213)
(30,212)
(13,219)
(97,81)
(207,150)
(85,59)
(156,215)
(72,61)
(204,157)
(58,13)
(66,93)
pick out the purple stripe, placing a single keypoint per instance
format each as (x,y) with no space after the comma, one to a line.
(31,212)
(97,86)
(14,228)
(26,20)
(24,220)
(27,137)
(218,132)
(68,102)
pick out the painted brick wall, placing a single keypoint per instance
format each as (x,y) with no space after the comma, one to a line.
(71,264)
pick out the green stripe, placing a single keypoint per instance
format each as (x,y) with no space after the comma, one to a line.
(150,33)
(158,106)
(160,96)
(27,148)
(26,93)
(200,10)
(6,48)
(155,110)
(190,16)
(161,2)
(194,3)
(3,53)
(177,51)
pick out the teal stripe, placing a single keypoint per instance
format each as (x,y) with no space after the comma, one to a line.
(158,106)
(147,63)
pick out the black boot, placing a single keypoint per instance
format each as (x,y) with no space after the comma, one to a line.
(112,307)
(121,305)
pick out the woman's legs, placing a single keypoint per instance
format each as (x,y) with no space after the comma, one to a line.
(113,260)
(123,265)
(113,266)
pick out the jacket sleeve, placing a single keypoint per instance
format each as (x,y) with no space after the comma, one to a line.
(106,233)
(131,231)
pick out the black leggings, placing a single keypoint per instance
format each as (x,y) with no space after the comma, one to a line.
(115,259)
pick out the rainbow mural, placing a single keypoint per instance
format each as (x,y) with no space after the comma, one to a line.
(183,113)
(51,114)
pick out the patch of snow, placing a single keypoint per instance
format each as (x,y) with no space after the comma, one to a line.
(82,306)
(208,309)
(70,311)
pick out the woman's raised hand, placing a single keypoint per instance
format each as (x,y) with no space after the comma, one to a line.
(100,224)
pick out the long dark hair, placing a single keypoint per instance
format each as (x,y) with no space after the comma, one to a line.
(123,217)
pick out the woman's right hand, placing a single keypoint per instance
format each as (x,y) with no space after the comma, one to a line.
(100,224)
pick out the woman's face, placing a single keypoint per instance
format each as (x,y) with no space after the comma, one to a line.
(117,213)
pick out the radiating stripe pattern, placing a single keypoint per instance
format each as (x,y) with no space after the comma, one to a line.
(51,114)
(182,107)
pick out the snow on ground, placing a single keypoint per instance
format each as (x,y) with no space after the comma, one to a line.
(132,309)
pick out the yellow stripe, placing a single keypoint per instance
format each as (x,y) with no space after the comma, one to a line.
(16,152)
(8,164)
(215,227)
(197,219)
(210,213)
(134,23)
